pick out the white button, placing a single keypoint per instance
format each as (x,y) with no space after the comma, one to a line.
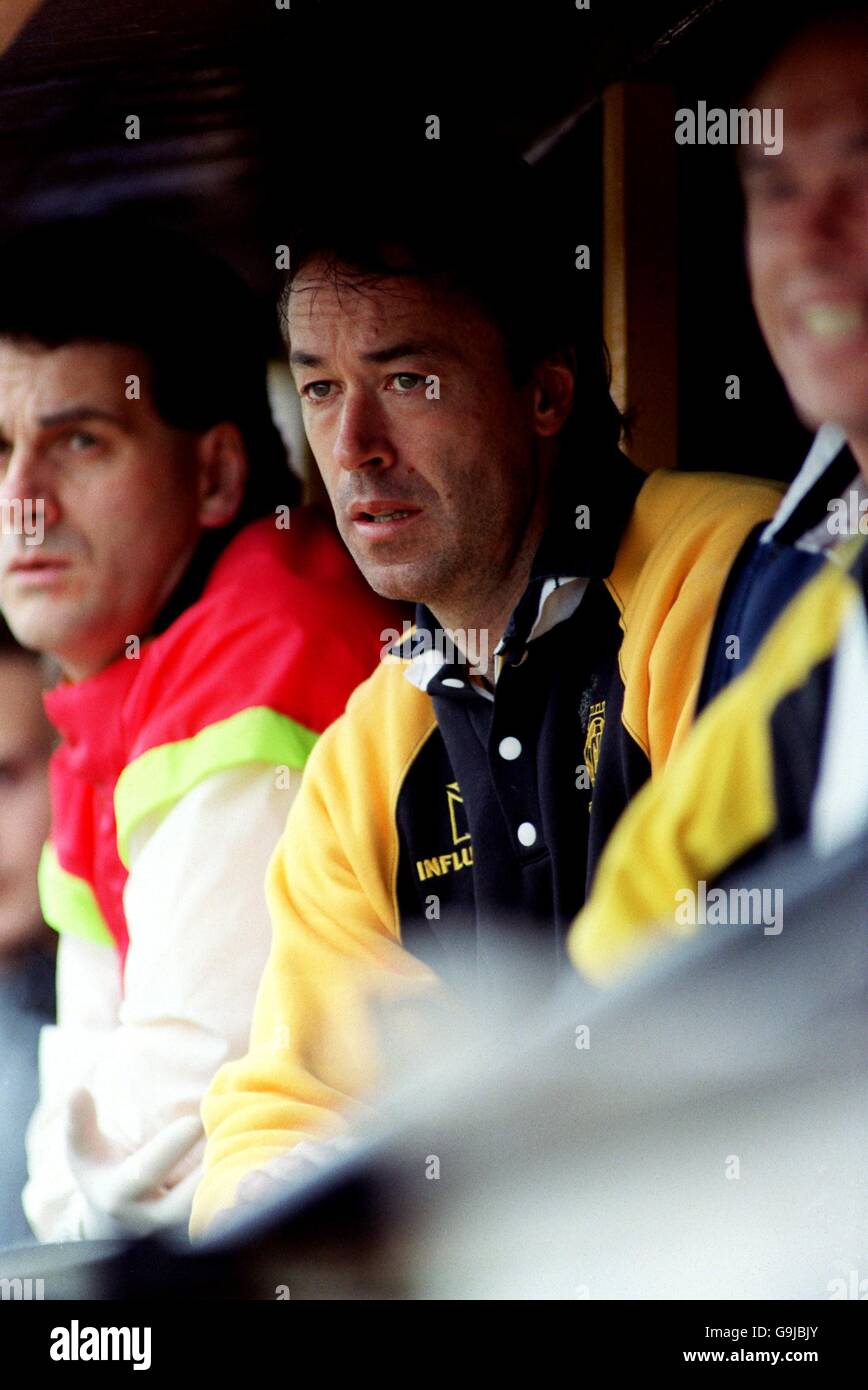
(509,748)
(455,683)
(527,834)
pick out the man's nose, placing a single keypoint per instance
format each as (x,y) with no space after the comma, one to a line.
(24,479)
(362,439)
(826,215)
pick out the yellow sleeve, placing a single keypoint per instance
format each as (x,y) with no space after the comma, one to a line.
(712,803)
(685,533)
(336,956)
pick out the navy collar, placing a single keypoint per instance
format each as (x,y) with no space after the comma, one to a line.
(570,550)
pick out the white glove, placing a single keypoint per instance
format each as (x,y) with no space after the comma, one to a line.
(124,1194)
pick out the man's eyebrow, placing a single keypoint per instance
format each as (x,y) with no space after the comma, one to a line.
(750,162)
(74,413)
(409,348)
(751,157)
(395,351)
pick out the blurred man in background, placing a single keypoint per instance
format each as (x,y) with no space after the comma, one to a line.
(205,637)
(782,754)
(26,950)
(807,254)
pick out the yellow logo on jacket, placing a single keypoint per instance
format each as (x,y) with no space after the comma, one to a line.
(446,863)
(594,737)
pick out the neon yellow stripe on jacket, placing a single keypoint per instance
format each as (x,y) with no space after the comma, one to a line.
(68,902)
(158,778)
(336,959)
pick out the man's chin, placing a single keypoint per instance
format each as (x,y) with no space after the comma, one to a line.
(28,634)
(387,586)
(827,410)
(835,397)
(403,581)
(43,633)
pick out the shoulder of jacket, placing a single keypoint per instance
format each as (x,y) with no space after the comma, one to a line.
(385,723)
(807,631)
(291,646)
(680,498)
(678,517)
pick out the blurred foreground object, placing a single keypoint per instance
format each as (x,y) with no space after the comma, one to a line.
(708,1142)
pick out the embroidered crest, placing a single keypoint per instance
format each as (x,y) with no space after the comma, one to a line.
(594,737)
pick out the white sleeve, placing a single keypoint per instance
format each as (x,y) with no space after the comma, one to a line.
(88,1002)
(199,937)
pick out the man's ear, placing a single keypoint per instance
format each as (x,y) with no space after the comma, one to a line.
(222,470)
(554,384)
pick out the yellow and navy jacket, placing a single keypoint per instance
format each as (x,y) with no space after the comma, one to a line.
(744,783)
(505,805)
(775,561)
(434,813)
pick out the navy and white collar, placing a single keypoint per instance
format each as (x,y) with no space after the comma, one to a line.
(567,558)
(828,468)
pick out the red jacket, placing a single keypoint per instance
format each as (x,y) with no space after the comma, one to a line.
(253,671)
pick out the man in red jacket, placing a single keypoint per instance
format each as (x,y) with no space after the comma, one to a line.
(206,631)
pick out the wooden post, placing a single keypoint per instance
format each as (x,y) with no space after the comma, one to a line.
(639,265)
(14,14)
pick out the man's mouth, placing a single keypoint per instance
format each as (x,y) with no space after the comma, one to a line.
(36,567)
(33,562)
(382,516)
(385,516)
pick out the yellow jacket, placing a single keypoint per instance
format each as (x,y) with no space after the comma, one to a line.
(332,885)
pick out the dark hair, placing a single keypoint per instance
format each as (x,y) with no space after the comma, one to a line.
(774,31)
(115,280)
(487,229)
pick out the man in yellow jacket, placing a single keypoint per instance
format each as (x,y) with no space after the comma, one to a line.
(460,416)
